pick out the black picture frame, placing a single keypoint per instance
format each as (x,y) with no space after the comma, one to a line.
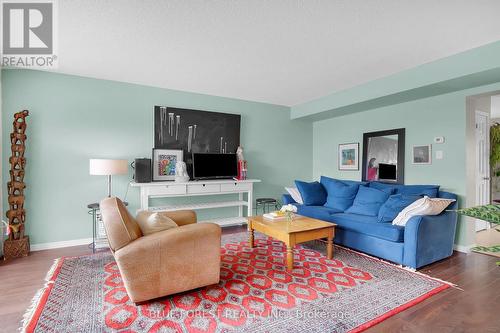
(355,146)
(400,172)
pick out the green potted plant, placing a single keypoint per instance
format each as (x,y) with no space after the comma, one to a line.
(488,213)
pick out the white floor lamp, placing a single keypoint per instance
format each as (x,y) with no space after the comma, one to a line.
(106,167)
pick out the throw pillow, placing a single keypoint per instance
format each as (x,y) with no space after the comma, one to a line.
(368,201)
(394,205)
(295,194)
(313,194)
(340,195)
(151,223)
(424,206)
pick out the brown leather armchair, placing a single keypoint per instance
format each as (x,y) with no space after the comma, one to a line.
(166,262)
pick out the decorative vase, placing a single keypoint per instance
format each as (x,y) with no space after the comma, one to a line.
(289,216)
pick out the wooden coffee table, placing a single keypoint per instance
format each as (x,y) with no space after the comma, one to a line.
(301,229)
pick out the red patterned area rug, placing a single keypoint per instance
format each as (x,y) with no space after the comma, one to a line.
(256,294)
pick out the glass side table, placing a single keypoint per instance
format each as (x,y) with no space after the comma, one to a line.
(99,239)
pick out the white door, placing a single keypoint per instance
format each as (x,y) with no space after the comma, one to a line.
(482,163)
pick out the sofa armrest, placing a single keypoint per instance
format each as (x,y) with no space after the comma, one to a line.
(171,261)
(429,238)
(287,199)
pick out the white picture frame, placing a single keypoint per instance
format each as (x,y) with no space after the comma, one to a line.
(348,156)
(164,161)
(422,154)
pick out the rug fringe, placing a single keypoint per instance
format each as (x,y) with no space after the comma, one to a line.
(406,268)
(35,301)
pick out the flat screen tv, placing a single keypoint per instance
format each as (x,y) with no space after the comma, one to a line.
(214,166)
(387,172)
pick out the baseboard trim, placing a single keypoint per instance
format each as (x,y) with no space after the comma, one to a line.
(57,245)
(463,248)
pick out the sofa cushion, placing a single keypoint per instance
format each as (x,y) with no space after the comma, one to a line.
(351,182)
(313,194)
(422,190)
(394,205)
(347,182)
(340,195)
(368,225)
(316,212)
(369,200)
(384,186)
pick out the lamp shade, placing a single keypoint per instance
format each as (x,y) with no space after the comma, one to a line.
(105,167)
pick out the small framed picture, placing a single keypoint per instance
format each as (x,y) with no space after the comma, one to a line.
(422,154)
(349,156)
(164,161)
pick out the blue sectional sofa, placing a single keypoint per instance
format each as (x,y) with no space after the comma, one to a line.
(424,239)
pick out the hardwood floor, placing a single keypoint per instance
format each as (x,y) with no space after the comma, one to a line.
(20,279)
(473,309)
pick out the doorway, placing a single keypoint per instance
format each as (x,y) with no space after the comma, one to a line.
(484,172)
(483,195)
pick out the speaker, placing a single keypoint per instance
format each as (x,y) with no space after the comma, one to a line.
(142,173)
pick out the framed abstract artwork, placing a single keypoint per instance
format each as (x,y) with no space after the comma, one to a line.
(422,154)
(164,161)
(195,131)
(349,156)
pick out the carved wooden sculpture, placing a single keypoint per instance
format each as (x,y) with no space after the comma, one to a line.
(18,244)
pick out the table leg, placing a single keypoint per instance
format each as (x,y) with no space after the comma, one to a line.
(250,202)
(144,198)
(240,207)
(289,257)
(94,232)
(329,247)
(251,237)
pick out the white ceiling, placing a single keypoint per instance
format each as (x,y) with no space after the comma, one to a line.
(282,52)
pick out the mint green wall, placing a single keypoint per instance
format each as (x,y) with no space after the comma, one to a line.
(73,119)
(424,119)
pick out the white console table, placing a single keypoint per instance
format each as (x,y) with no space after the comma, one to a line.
(170,189)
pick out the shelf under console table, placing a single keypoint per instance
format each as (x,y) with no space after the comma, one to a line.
(170,189)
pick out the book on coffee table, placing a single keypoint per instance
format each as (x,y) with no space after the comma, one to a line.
(275,216)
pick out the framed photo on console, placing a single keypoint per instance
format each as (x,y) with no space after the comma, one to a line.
(349,156)
(164,161)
